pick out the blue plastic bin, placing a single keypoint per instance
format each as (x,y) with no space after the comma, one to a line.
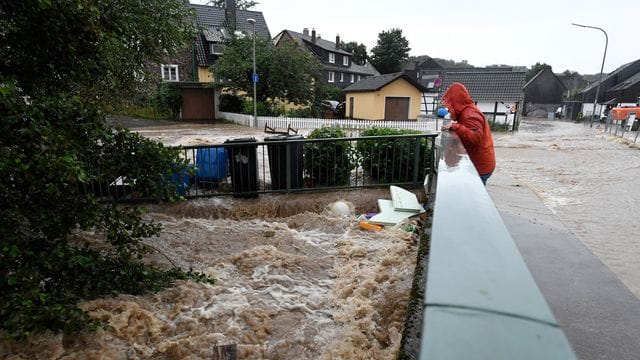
(182,181)
(211,164)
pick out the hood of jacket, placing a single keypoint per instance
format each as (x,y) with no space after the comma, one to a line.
(456,99)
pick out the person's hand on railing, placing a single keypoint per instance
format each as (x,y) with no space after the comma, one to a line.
(447,126)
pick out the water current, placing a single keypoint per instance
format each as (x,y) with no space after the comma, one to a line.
(295,280)
(589,178)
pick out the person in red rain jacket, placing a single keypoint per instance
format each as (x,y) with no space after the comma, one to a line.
(472,128)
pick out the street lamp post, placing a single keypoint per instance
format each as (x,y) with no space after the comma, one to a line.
(606,43)
(254,76)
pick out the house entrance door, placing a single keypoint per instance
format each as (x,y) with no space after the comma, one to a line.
(351,107)
(396,108)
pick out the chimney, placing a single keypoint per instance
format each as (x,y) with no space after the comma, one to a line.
(230,14)
(313,36)
(338,41)
(305,31)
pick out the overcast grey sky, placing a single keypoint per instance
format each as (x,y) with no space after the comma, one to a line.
(483,32)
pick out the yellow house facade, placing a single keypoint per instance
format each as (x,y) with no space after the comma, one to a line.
(385,97)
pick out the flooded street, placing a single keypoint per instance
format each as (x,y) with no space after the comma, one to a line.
(589,179)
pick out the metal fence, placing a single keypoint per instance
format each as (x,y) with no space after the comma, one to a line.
(628,126)
(246,167)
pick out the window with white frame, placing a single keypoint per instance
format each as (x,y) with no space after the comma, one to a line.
(332,58)
(345,60)
(353,77)
(359,78)
(332,76)
(341,77)
(169,72)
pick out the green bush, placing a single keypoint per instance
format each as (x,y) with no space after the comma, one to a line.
(53,149)
(328,163)
(263,109)
(168,99)
(499,127)
(391,160)
(335,93)
(232,103)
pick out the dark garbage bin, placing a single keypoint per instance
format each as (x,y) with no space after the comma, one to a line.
(243,166)
(285,161)
(211,163)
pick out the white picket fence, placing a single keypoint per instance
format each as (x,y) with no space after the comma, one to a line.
(427,125)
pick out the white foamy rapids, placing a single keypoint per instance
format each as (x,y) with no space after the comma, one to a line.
(307,286)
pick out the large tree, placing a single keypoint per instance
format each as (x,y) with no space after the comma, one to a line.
(286,72)
(58,59)
(535,69)
(359,52)
(391,50)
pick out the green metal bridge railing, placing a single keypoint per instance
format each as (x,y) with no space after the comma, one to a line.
(481,301)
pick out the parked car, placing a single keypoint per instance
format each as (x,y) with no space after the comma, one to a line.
(334,108)
(329,104)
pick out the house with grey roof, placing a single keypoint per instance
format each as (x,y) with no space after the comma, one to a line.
(189,69)
(216,25)
(339,68)
(543,93)
(498,94)
(620,87)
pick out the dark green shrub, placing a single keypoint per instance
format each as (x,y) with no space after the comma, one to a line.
(306,112)
(335,93)
(263,109)
(328,163)
(391,160)
(232,103)
(169,99)
(499,127)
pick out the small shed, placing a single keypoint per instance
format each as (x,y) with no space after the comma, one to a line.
(394,96)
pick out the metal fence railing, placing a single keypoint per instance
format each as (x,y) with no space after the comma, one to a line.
(246,167)
(628,126)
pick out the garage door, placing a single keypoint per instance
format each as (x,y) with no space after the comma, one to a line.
(198,104)
(396,108)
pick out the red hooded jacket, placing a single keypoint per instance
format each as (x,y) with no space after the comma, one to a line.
(472,128)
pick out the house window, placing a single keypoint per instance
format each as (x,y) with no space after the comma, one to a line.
(341,77)
(169,72)
(332,76)
(216,49)
(353,78)
(345,60)
(359,78)
(332,58)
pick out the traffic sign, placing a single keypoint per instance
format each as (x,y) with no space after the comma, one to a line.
(255,78)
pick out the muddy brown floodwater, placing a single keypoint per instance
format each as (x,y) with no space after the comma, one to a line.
(294,280)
